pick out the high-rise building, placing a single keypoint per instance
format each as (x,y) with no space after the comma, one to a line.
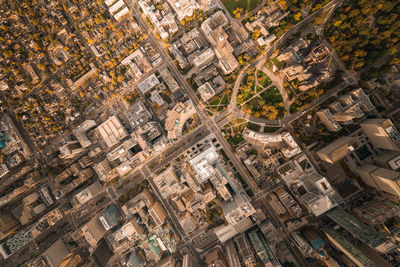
(382,133)
(361,231)
(215,258)
(245,251)
(337,150)
(388,160)
(187,261)
(354,254)
(383,179)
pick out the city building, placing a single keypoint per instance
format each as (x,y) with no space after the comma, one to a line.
(110,217)
(382,133)
(167,262)
(288,146)
(85,77)
(188,223)
(138,114)
(3,170)
(157,213)
(316,193)
(302,245)
(164,22)
(117,9)
(350,107)
(190,49)
(203,59)
(93,231)
(112,131)
(244,250)
(80,132)
(213,29)
(344,245)
(184,8)
(56,253)
(177,117)
(361,231)
(337,150)
(383,179)
(104,171)
(16,242)
(328,120)
(216,258)
(187,261)
(389,160)
(207,166)
(262,249)
(376,211)
(86,195)
(206,91)
(71,149)
(137,62)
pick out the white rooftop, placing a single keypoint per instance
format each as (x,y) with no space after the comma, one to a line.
(112,131)
(202,163)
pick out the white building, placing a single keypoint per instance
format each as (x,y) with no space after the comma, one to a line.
(112,131)
(184,8)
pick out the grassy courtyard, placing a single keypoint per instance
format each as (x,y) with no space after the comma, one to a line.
(246,5)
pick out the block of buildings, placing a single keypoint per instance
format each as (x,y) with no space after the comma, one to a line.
(344,245)
(162,20)
(137,62)
(262,249)
(213,28)
(382,133)
(348,108)
(365,233)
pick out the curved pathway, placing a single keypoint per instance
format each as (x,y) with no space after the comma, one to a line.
(232,108)
(278,82)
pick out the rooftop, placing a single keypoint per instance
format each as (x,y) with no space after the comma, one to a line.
(112,131)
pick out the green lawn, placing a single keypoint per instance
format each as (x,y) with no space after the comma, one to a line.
(272,96)
(263,79)
(278,63)
(253,127)
(231,5)
(225,100)
(269,129)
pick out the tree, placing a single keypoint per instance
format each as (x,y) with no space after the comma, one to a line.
(297,16)
(41,67)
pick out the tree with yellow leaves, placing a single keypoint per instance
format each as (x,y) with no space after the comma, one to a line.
(297,16)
